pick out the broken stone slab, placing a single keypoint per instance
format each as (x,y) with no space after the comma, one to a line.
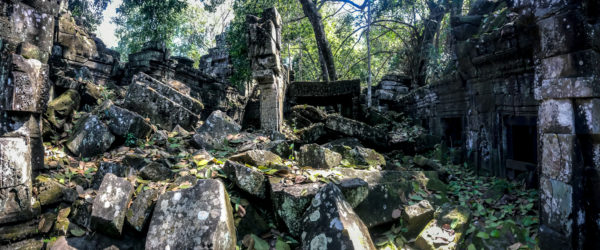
(290,202)
(416,216)
(436,236)
(315,156)
(198,217)
(305,115)
(352,128)
(156,171)
(82,212)
(165,109)
(77,45)
(61,227)
(49,191)
(387,196)
(311,133)
(110,206)
(257,158)
(280,147)
(248,179)
(124,123)
(355,190)
(25,245)
(60,109)
(17,232)
(330,223)
(27,88)
(90,137)
(215,130)
(15,180)
(112,168)
(138,215)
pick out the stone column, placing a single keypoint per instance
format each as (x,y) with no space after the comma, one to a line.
(25,45)
(264,48)
(568,89)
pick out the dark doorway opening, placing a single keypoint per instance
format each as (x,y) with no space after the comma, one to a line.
(453,131)
(521,154)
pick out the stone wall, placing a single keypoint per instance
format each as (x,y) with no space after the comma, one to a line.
(26,35)
(524,99)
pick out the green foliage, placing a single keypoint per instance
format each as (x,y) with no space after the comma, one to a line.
(130,140)
(88,11)
(141,21)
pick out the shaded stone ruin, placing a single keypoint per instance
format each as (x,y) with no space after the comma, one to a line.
(343,96)
(524,102)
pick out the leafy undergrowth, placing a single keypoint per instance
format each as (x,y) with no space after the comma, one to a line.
(504,213)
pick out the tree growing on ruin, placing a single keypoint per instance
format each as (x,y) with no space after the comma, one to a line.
(89,12)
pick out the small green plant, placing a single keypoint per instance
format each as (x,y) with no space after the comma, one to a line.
(130,140)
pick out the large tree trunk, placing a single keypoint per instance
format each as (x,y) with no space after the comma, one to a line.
(326,57)
(437,10)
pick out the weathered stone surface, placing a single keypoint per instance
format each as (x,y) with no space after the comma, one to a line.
(15,180)
(356,129)
(30,244)
(215,129)
(61,227)
(303,115)
(95,241)
(279,147)
(30,23)
(138,215)
(257,158)
(12,233)
(248,179)
(416,216)
(76,44)
(198,217)
(27,87)
(90,137)
(360,156)
(556,201)
(110,206)
(60,109)
(156,171)
(355,190)
(315,156)
(162,104)
(312,133)
(106,168)
(82,212)
(30,51)
(330,223)
(435,236)
(123,122)
(49,191)
(290,202)
(557,116)
(559,156)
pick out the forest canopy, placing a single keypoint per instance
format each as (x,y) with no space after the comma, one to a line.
(322,39)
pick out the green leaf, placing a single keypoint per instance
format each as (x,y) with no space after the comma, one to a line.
(495,233)
(415,197)
(483,235)
(77,232)
(281,245)
(202,163)
(260,244)
(471,247)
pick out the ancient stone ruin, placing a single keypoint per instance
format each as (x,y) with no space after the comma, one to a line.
(154,153)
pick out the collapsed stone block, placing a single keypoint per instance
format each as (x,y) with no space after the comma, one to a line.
(61,108)
(315,156)
(215,130)
(557,116)
(27,86)
(330,223)
(140,212)
(163,105)
(356,129)
(123,122)
(110,206)
(248,179)
(90,137)
(198,217)
(290,202)
(417,216)
(435,236)
(17,203)
(258,158)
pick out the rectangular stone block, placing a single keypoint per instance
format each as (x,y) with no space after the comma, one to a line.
(27,86)
(557,116)
(29,24)
(577,64)
(587,118)
(15,180)
(562,33)
(572,87)
(560,155)
(556,205)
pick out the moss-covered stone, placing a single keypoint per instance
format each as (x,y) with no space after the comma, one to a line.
(49,191)
(313,155)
